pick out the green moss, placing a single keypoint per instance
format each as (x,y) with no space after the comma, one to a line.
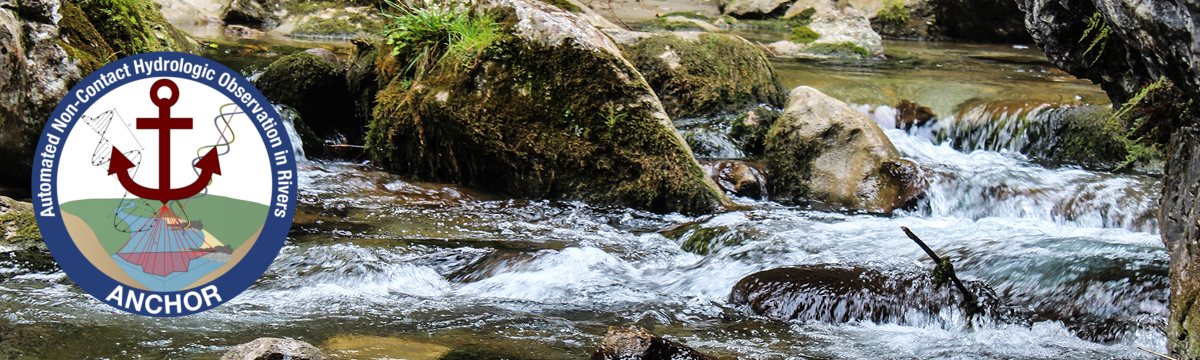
(317,89)
(527,119)
(81,40)
(842,49)
(20,228)
(790,165)
(669,25)
(133,26)
(802,34)
(803,18)
(750,129)
(564,4)
(715,75)
(700,240)
(894,14)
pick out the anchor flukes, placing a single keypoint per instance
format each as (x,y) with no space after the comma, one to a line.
(208,165)
(118,162)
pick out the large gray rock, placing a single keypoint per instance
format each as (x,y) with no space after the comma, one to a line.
(822,150)
(273,349)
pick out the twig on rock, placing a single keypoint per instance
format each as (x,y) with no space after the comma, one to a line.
(944,269)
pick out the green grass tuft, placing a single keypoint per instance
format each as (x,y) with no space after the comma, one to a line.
(427,36)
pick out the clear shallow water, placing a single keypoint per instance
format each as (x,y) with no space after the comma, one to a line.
(375,254)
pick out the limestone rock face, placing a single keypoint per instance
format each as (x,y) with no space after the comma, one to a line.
(820,149)
(555,111)
(1179,221)
(34,74)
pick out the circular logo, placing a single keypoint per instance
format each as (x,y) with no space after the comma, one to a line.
(164,184)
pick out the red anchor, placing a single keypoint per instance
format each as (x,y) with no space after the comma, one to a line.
(164,123)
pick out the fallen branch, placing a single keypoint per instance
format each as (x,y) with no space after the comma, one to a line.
(944,269)
(1155,353)
(614,12)
(766,48)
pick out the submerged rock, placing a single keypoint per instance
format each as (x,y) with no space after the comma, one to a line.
(317,89)
(841,293)
(274,348)
(554,111)
(821,149)
(699,75)
(910,114)
(738,178)
(638,344)
(844,33)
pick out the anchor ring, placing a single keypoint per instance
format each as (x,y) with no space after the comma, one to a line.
(161,102)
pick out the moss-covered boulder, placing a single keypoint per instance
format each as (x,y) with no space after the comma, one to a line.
(549,109)
(701,75)
(318,90)
(843,33)
(820,150)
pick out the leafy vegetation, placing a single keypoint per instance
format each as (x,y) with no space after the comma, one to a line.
(802,34)
(1099,31)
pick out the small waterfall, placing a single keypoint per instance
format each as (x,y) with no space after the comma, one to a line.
(289,116)
(1030,128)
(985,183)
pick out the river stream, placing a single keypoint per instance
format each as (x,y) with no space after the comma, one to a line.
(380,266)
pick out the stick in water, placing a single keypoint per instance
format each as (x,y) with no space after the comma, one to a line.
(970,303)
